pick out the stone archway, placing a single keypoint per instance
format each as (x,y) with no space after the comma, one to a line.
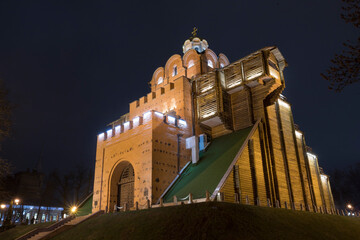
(121,186)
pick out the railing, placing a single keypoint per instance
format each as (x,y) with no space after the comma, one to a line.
(220,197)
(45,229)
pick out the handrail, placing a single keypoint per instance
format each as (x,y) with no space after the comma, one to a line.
(45,229)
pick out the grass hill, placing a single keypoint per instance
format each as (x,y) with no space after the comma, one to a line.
(216,220)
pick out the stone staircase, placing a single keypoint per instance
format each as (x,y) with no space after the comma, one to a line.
(57,227)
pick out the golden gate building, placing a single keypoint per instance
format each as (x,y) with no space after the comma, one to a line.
(210,128)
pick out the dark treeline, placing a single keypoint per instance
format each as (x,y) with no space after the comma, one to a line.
(345,184)
(55,189)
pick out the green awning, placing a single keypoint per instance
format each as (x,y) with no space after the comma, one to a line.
(212,166)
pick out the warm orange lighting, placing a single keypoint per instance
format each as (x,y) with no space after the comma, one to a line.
(3,206)
(73,209)
(17,201)
(349,206)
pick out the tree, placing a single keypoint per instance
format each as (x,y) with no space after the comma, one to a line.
(345,68)
(5,113)
(5,124)
(5,171)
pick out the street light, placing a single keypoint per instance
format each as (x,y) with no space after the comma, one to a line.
(73,209)
(17,201)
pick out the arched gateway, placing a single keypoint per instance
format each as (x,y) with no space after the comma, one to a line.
(122,186)
(126,187)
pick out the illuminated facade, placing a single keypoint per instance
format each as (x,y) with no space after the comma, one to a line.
(249,150)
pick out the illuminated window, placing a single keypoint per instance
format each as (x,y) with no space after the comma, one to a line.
(210,64)
(160,80)
(221,65)
(191,63)
(174,73)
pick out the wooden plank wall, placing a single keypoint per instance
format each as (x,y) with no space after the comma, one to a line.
(259,171)
(306,177)
(241,116)
(251,175)
(294,172)
(324,183)
(315,179)
(279,165)
(229,188)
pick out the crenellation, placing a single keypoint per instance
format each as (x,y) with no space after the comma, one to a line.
(140,120)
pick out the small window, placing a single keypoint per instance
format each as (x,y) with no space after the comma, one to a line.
(160,80)
(221,65)
(210,64)
(174,73)
(191,63)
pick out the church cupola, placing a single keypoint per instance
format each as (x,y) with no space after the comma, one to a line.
(195,42)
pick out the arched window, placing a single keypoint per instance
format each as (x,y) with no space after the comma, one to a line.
(160,80)
(174,73)
(221,65)
(191,63)
(210,64)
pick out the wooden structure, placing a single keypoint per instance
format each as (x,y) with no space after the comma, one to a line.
(266,160)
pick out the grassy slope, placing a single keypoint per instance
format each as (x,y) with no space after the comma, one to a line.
(216,221)
(21,230)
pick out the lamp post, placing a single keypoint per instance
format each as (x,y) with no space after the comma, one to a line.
(2,213)
(73,210)
(350,208)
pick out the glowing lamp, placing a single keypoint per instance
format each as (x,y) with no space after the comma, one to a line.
(182,123)
(101,136)
(74,209)
(3,206)
(117,129)
(109,133)
(171,119)
(159,114)
(17,201)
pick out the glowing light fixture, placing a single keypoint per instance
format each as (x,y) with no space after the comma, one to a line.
(208,115)
(136,121)
(159,114)
(349,206)
(298,134)
(117,129)
(73,209)
(234,84)
(182,122)
(101,136)
(147,115)
(3,206)
(254,76)
(171,119)
(206,89)
(284,104)
(311,155)
(17,201)
(109,133)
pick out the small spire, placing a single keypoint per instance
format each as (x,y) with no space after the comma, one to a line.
(194,32)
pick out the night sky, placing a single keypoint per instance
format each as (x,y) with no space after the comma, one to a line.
(73,67)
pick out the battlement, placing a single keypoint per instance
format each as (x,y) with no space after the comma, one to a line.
(152,96)
(118,130)
(164,99)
